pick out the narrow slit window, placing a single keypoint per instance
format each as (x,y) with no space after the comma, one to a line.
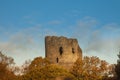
(57,59)
(61,50)
(73,50)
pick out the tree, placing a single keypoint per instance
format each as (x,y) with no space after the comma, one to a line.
(41,69)
(38,62)
(6,60)
(49,72)
(90,68)
(117,67)
(6,63)
(25,67)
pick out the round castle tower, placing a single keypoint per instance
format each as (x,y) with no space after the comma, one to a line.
(62,51)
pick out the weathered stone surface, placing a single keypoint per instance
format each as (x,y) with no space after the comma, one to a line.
(62,51)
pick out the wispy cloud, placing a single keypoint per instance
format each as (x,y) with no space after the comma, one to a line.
(73,13)
(27,43)
(18,47)
(85,28)
(54,22)
(99,39)
(94,39)
(24,44)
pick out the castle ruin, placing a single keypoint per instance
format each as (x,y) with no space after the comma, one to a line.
(62,51)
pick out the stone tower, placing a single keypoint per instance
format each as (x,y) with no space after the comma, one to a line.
(62,51)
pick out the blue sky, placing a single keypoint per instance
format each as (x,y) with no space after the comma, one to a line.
(25,23)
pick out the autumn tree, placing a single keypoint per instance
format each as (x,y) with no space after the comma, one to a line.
(41,69)
(90,68)
(49,72)
(117,68)
(38,62)
(25,67)
(6,72)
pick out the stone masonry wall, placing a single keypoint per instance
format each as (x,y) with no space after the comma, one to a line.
(62,51)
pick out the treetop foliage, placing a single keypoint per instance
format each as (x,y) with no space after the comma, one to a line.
(6,72)
(88,68)
(91,68)
(117,68)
